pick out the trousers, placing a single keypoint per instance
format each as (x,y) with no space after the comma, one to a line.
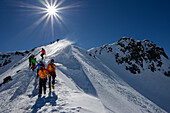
(42,84)
(53,75)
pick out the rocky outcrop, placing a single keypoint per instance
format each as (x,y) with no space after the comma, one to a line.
(6,58)
(137,55)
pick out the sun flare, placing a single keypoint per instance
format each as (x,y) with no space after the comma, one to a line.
(50,11)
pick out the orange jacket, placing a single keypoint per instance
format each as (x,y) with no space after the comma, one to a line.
(51,68)
(43,51)
(43,74)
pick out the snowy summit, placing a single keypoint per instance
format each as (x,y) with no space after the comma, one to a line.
(128,76)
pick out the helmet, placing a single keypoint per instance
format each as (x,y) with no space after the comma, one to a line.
(52,60)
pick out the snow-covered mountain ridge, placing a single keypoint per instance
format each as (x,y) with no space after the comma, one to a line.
(142,64)
(137,55)
(84,84)
(12,59)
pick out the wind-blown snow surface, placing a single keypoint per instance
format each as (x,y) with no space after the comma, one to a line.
(153,85)
(84,84)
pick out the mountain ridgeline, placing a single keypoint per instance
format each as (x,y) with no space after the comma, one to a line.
(99,80)
(137,56)
(12,59)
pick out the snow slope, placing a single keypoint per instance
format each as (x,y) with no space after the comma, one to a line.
(20,94)
(10,59)
(153,85)
(84,84)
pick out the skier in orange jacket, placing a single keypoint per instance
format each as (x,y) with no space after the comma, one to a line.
(42,79)
(52,71)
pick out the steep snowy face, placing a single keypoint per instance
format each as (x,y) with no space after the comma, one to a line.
(20,93)
(129,57)
(137,56)
(93,77)
(64,56)
(10,59)
(79,73)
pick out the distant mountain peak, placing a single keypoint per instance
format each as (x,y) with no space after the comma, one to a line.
(87,81)
(138,55)
(152,49)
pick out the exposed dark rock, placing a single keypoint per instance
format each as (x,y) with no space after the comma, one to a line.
(6,62)
(137,53)
(133,69)
(26,52)
(152,67)
(4,56)
(19,53)
(18,71)
(167,73)
(117,55)
(33,49)
(109,49)
(159,64)
(7,79)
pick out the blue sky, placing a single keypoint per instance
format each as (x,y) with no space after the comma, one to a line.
(92,24)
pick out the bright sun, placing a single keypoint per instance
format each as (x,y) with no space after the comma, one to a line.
(51,10)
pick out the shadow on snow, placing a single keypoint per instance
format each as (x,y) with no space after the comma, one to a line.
(35,90)
(40,102)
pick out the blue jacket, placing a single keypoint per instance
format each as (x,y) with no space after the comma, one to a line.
(38,65)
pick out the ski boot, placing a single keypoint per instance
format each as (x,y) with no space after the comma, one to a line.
(53,86)
(39,95)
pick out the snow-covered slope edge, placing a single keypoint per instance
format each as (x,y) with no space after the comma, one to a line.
(149,64)
(9,59)
(115,94)
(20,94)
(84,84)
(95,78)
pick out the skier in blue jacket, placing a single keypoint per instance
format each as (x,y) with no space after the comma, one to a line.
(38,67)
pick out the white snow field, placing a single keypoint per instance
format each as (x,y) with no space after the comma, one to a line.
(84,84)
